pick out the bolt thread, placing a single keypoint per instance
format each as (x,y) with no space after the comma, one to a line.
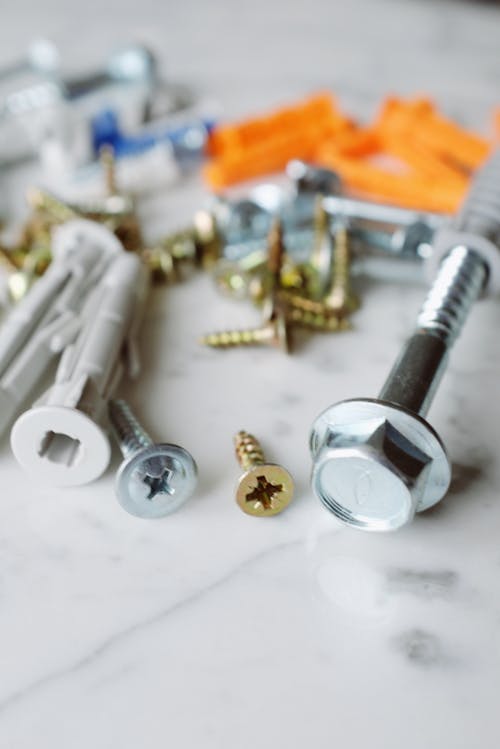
(461,277)
(233,338)
(479,213)
(248,450)
(129,433)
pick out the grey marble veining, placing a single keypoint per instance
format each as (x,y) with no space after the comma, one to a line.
(217,630)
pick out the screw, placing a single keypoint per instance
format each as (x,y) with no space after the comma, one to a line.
(108,166)
(321,260)
(377,462)
(274,333)
(265,488)
(321,322)
(154,479)
(7,261)
(114,207)
(161,264)
(339,300)
(115,211)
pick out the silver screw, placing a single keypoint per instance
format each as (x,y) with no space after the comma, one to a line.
(377,461)
(154,480)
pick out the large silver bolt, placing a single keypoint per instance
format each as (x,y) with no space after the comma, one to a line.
(378,461)
(154,480)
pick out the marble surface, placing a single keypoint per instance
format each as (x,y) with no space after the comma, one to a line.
(210,628)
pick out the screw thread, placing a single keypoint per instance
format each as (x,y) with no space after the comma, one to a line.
(324,320)
(233,338)
(276,251)
(248,450)
(339,296)
(129,433)
(304,304)
(459,282)
(320,229)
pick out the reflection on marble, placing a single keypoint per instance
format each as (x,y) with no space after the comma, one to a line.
(209,628)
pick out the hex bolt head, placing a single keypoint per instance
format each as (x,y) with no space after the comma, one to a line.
(376,464)
(156,480)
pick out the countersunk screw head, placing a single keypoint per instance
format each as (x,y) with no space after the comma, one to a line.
(264,490)
(156,480)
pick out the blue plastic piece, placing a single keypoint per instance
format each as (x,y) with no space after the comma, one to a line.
(188,141)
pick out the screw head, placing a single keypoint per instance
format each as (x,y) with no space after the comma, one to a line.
(376,464)
(156,480)
(266,489)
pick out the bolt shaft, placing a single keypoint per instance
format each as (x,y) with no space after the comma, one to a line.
(248,450)
(415,377)
(129,433)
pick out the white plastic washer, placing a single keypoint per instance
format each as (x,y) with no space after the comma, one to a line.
(92,455)
(448,238)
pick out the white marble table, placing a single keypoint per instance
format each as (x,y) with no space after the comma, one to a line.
(211,628)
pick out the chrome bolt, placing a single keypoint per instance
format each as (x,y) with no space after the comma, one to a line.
(377,461)
(154,480)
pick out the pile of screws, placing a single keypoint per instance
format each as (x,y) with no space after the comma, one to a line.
(287,305)
(292,250)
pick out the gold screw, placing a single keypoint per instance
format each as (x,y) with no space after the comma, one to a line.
(161,264)
(275,330)
(319,321)
(44,202)
(7,261)
(339,301)
(274,333)
(108,166)
(208,239)
(115,212)
(321,262)
(265,488)
(340,297)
